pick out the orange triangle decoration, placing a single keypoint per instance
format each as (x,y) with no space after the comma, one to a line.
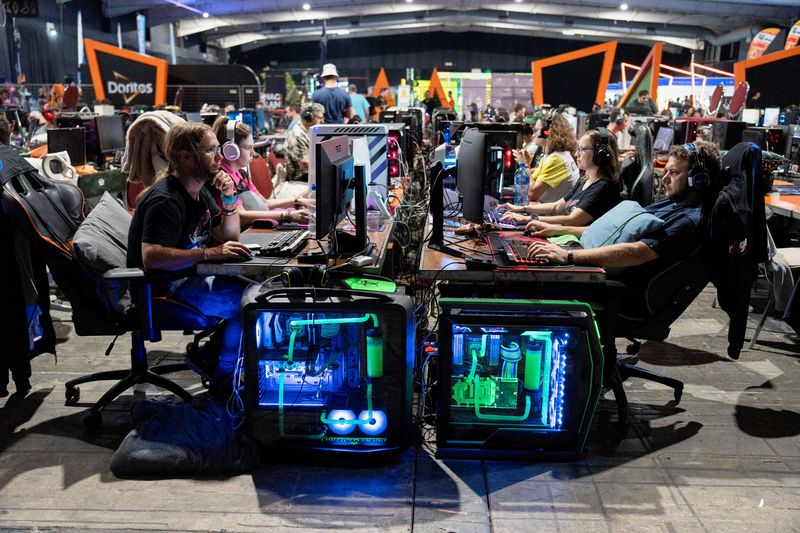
(646,78)
(381,83)
(436,85)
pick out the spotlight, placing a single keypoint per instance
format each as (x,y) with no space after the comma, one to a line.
(205,14)
(409,1)
(623,7)
(50,27)
(306,6)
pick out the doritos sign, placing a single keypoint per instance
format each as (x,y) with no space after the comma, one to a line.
(124,77)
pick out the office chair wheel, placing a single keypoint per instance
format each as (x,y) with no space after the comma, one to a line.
(72,395)
(93,420)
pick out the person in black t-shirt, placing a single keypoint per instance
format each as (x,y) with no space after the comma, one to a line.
(177,224)
(592,196)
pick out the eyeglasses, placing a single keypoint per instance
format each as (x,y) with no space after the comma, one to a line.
(214,150)
(582,149)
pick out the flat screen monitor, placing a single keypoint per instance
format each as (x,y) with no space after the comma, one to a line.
(470,167)
(247,116)
(755,135)
(663,139)
(333,172)
(376,136)
(71,140)
(771,116)
(110,133)
(751,116)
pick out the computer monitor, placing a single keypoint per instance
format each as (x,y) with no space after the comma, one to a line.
(376,136)
(756,136)
(771,116)
(470,166)
(751,116)
(663,139)
(247,116)
(110,133)
(71,140)
(333,171)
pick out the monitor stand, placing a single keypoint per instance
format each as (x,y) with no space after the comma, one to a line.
(348,244)
(436,241)
(375,198)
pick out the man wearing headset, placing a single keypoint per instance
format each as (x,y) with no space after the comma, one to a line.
(298,142)
(691,178)
(177,224)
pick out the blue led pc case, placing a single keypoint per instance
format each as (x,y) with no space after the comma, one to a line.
(517,378)
(328,370)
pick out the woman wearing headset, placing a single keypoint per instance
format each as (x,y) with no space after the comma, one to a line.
(592,196)
(237,150)
(556,173)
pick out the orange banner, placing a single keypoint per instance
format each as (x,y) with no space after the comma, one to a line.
(793,36)
(761,42)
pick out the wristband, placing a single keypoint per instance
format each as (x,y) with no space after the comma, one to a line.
(229,212)
(229,199)
(570,257)
(204,257)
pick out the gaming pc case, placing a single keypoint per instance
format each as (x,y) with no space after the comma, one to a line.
(328,370)
(517,378)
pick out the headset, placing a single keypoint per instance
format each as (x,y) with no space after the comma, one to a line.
(699,180)
(294,277)
(48,114)
(307,114)
(547,123)
(620,118)
(230,150)
(601,154)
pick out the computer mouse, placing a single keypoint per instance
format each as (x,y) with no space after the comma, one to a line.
(528,232)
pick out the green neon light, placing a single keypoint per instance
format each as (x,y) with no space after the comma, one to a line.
(504,418)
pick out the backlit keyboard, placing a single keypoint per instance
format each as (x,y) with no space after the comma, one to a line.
(277,243)
(517,252)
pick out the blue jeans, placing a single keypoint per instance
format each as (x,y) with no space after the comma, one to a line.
(216,296)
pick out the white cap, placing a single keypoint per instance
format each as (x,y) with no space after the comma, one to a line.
(329,69)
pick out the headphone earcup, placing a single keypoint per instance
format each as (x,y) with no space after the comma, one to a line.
(230,151)
(601,156)
(292,277)
(318,276)
(699,181)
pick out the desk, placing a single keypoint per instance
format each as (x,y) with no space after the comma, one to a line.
(787,205)
(438,265)
(260,268)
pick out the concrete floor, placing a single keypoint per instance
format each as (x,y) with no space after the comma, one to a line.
(727,459)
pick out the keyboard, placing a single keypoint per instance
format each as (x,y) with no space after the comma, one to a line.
(517,252)
(278,243)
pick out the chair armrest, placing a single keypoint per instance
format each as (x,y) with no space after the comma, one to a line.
(124,273)
(264,223)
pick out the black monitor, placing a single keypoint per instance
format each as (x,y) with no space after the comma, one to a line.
(71,140)
(663,139)
(110,133)
(756,136)
(470,166)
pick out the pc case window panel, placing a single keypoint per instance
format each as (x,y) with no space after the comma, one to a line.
(330,376)
(515,375)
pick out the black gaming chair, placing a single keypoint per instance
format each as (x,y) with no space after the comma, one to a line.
(637,172)
(646,313)
(48,213)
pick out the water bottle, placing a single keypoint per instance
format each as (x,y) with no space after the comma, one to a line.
(312,212)
(522,180)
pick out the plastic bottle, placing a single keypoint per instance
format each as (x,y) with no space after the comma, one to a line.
(312,212)
(522,180)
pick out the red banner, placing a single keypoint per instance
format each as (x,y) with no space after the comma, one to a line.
(761,42)
(793,36)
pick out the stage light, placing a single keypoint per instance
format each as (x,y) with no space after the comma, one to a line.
(205,14)
(623,7)
(306,6)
